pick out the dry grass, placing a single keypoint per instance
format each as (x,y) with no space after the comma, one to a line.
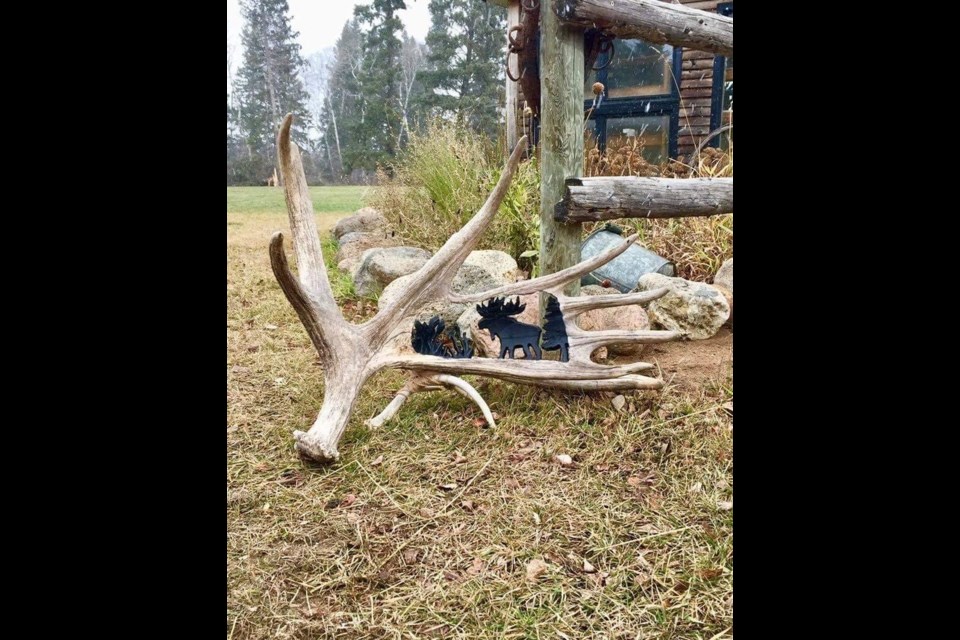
(373,547)
(698,246)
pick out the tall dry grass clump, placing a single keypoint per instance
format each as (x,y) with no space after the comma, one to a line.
(441,180)
(698,246)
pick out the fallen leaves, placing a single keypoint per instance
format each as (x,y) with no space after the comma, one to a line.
(377,462)
(587,567)
(535,569)
(410,555)
(618,402)
(725,505)
(348,500)
(270,327)
(476,568)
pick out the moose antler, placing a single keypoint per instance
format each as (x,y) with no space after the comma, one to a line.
(351,353)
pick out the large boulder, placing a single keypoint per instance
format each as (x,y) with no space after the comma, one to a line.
(381,266)
(366,220)
(724,277)
(354,244)
(724,282)
(627,318)
(695,308)
(480,271)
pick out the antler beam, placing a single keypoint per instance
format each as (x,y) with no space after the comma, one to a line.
(350,354)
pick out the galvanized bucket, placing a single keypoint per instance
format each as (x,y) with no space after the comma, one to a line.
(625,270)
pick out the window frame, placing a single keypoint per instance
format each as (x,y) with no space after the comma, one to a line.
(719,73)
(664,104)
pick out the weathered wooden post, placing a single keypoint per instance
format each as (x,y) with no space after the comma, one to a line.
(561,138)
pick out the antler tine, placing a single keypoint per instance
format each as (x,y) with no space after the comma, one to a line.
(306,241)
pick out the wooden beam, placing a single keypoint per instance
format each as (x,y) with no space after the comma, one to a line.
(652,20)
(561,139)
(591,199)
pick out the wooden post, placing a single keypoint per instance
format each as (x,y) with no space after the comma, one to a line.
(561,139)
(513,18)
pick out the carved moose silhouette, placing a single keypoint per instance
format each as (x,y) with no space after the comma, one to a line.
(496,317)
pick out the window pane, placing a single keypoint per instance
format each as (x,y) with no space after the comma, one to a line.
(649,133)
(638,69)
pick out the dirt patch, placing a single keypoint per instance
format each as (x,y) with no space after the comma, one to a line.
(693,363)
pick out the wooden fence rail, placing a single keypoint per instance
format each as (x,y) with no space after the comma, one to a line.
(605,198)
(653,21)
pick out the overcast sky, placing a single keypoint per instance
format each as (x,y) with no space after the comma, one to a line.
(321,21)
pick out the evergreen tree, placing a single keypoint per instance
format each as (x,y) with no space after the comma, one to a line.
(268,82)
(375,134)
(467,56)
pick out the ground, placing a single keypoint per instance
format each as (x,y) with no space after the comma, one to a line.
(435,526)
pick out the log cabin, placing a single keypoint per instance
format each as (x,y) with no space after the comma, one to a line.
(671,98)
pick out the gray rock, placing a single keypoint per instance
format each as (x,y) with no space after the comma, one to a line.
(724,277)
(352,246)
(380,266)
(695,308)
(478,273)
(497,263)
(626,318)
(724,282)
(366,220)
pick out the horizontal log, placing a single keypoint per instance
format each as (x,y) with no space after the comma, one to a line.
(697,74)
(696,83)
(695,93)
(694,131)
(653,21)
(688,65)
(703,5)
(690,54)
(604,198)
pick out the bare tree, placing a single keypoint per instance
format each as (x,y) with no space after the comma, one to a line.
(412,59)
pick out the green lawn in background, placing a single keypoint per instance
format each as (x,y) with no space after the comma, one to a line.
(339,199)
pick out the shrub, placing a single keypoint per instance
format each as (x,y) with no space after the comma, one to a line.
(442,179)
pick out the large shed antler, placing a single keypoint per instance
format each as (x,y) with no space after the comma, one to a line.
(351,353)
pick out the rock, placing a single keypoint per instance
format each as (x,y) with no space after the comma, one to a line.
(724,277)
(488,347)
(724,282)
(497,263)
(695,308)
(475,275)
(379,267)
(367,220)
(352,246)
(627,318)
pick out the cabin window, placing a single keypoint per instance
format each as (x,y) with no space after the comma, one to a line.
(721,102)
(641,102)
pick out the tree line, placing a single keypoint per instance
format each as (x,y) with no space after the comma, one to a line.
(357,103)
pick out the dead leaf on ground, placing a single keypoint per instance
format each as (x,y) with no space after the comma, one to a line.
(270,327)
(459,458)
(649,528)
(348,500)
(535,569)
(377,462)
(564,460)
(725,505)
(587,567)
(634,481)
(353,517)
(618,402)
(451,576)
(467,505)
(410,555)
(476,568)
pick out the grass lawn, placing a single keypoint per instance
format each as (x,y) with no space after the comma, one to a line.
(270,199)
(636,536)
